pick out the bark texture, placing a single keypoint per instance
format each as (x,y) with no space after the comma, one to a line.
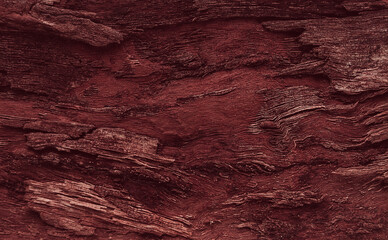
(198,119)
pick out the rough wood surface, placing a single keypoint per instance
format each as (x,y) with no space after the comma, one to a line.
(198,119)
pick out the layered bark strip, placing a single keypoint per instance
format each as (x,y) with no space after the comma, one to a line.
(194,119)
(68,205)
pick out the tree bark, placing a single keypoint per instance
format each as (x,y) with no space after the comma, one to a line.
(199,119)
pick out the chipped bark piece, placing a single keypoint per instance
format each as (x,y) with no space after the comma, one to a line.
(118,143)
(120,140)
(354,51)
(63,22)
(40,141)
(75,25)
(118,151)
(278,198)
(111,143)
(73,129)
(79,208)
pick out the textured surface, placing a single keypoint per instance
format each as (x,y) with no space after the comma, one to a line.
(199,119)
